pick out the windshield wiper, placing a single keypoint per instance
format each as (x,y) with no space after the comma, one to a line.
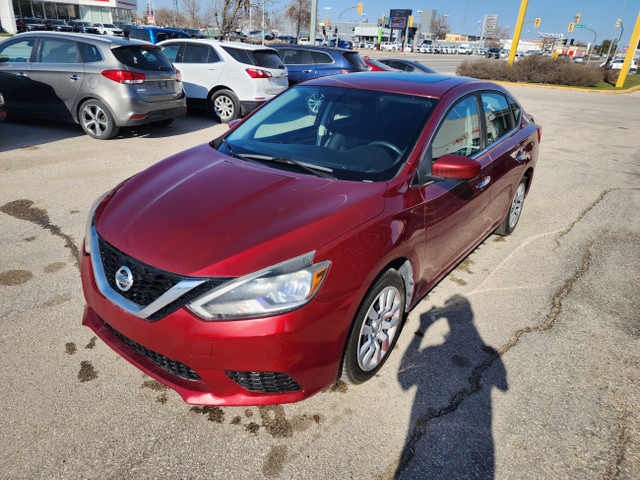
(306,167)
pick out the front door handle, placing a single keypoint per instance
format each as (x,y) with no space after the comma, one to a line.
(483,183)
(306,71)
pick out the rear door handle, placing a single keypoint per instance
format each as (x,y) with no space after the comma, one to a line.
(483,183)
(306,71)
(74,77)
(22,75)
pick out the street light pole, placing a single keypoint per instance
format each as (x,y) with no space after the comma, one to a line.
(339,17)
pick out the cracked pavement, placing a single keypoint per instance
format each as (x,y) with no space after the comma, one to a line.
(523,363)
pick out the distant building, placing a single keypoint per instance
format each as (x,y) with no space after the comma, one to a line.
(100,11)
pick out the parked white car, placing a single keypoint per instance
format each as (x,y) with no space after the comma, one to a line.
(230,78)
(109,29)
(616,64)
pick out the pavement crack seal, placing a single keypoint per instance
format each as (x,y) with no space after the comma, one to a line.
(24,210)
(475,378)
(585,211)
(620,446)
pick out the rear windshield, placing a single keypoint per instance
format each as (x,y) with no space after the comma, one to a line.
(142,57)
(267,59)
(356,60)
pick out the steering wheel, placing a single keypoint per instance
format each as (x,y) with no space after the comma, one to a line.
(390,146)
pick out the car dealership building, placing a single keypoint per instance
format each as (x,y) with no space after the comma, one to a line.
(102,11)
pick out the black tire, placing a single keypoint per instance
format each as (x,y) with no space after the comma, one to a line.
(163,123)
(385,300)
(515,210)
(225,105)
(96,120)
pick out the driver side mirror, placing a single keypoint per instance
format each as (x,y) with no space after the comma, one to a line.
(452,167)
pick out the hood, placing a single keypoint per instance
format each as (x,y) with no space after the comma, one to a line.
(202,213)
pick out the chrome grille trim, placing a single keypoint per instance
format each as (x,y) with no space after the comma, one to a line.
(140,311)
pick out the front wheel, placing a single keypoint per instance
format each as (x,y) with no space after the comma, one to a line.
(513,215)
(96,120)
(225,105)
(375,329)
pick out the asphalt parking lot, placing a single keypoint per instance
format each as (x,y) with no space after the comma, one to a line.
(523,363)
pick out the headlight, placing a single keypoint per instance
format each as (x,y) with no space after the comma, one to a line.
(92,213)
(272,291)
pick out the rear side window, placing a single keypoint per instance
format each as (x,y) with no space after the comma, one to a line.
(239,55)
(90,53)
(356,60)
(55,50)
(19,51)
(296,57)
(321,57)
(267,59)
(142,57)
(497,115)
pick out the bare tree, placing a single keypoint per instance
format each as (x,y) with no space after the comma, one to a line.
(440,27)
(165,16)
(299,13)
(192,8)
(226,15)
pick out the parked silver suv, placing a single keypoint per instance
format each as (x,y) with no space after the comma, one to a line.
(102,83)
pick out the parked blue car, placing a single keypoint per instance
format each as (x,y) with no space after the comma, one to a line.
(156,34)
(341,44)
(306,61)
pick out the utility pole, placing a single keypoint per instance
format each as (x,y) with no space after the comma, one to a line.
(314,21)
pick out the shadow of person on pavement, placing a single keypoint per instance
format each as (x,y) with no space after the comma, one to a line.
(450,435)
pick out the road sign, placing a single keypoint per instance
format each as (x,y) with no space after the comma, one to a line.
(577,25)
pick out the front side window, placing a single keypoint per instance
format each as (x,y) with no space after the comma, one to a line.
(460,130)
(58,51)
(19,51)
(330,128)
(497,115)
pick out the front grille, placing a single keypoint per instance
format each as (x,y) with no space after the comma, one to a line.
(267,382)
(172,366)
(148,282)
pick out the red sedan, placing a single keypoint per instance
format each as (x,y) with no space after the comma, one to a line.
(260,267)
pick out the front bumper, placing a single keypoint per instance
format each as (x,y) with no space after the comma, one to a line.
(234,362)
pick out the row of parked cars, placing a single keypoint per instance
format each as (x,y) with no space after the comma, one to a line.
(58,25)
(104,83)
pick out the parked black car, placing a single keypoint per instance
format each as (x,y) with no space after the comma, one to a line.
(57,25)
(29,24)
(84,27)
(406,65)
(493,52)
(307,61)
(125,27)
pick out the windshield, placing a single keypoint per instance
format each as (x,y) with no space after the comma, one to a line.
(360,135)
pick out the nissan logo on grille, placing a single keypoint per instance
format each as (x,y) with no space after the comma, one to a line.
(124,278)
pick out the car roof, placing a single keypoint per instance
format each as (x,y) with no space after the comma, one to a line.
(211,41)
(313,47)
(434,85)
(86,38)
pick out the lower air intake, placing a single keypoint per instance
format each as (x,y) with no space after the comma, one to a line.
(267,382)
